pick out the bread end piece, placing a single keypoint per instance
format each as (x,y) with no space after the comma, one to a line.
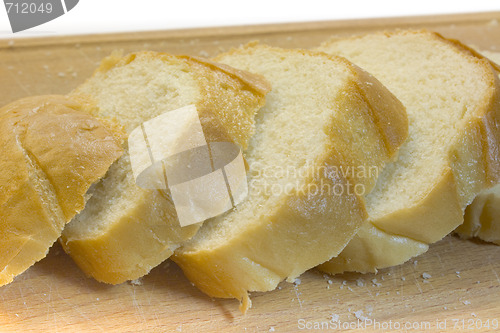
(53,151)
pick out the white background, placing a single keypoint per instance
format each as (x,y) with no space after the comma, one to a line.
(101,16)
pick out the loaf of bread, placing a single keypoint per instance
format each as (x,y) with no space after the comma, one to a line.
(126,230)
(452,97)
(53,150)
(482,217)
(323,119)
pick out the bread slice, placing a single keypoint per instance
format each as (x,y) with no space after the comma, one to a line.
(482,217)
(323,118)
(126,230)
(53,150)
(453,102)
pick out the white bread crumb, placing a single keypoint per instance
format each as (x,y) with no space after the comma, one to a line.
(137,282)
(359,315)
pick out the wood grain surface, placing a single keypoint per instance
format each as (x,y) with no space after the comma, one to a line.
(453,287)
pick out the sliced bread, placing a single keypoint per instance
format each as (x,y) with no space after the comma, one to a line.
(452,98)
(53,150)
(482,217)
(323,119)
(126,230)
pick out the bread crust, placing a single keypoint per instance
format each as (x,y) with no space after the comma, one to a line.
(363,254)
(441,209)
(299,232)
(482,216)
(53,150)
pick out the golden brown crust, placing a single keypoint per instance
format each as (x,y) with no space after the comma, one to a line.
(436,214)
(482,217)
(220,122)
(364,255)
(128,249)
(253,81)
(257,260)
(392,123)
(385,117)
(53,150)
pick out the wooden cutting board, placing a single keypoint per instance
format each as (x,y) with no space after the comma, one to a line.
(462,292)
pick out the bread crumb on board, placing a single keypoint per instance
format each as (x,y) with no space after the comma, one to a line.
(136,282)
(204,54)
(360,315)
(426,275)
